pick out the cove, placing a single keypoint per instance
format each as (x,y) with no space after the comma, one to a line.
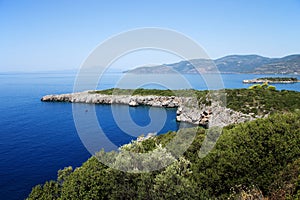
(121,123)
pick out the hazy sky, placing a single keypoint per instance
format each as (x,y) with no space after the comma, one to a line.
(60,34)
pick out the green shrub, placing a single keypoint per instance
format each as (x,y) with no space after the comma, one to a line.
(271,87)
(256,86)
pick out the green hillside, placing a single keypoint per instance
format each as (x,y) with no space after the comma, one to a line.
(254,160)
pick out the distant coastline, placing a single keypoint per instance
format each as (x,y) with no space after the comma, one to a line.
(239,64)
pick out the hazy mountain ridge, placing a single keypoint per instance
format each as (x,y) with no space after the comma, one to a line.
(230,64)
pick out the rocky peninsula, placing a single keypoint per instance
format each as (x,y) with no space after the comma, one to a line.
(188,108)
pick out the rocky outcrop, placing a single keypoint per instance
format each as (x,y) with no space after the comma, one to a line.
(188,109)
(86,97)
(209,116)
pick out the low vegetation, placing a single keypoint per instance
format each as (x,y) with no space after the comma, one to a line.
(145,92)
(253,160)
(262,101)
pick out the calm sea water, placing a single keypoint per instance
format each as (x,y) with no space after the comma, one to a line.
(39,138)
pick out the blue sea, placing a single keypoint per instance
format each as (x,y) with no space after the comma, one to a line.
(39,138)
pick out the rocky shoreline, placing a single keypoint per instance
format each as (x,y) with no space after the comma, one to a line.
(188,109)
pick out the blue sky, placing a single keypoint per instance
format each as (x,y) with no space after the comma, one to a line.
(60,34)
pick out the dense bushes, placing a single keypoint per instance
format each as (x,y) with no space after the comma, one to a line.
(262,102)
(250,154)
(259,158)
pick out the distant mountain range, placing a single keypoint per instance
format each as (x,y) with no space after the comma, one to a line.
(230,64)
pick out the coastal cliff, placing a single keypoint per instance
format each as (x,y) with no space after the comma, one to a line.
(188,108)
